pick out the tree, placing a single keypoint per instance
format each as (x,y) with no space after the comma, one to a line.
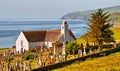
(99,28)
(72,47)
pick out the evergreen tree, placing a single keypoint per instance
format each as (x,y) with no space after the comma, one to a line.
(99,28)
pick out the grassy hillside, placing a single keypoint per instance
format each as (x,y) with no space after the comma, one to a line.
(116,33)
(116,36)
(107,63)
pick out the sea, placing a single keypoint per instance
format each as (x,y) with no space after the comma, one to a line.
(9,30)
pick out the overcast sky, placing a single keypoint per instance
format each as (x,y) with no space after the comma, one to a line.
(48,9)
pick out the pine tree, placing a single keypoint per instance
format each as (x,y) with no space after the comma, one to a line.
(99,28)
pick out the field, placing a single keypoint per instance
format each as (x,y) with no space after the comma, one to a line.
(106,63)
(116,33)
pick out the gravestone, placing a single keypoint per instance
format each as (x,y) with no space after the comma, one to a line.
(90,51)
(51,57)
(28,68)
(80,54)
(11,68)
(21,66)
(84,52)
(59,57)
(17,67)
(114,45)
(54,50)
(25,66)
(63,49)
(8,66)
(4,54)
(1,67)
(40,59)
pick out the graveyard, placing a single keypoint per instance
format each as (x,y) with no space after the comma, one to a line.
(106,63)
(36,58)
(64,49)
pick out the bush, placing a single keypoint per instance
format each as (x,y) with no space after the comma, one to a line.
(50,54)
(72,46)
(29,56)
(32,50)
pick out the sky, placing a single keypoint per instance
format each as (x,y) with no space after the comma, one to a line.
(48,9)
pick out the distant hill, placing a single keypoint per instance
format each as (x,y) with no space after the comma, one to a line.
(84,15)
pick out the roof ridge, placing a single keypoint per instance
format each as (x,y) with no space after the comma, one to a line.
(41,30)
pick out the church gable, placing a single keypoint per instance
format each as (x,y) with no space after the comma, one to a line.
(72,35)
(69,37)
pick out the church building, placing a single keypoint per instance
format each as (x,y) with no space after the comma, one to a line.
(44,38)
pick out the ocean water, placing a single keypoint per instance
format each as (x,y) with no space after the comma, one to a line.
(9,30)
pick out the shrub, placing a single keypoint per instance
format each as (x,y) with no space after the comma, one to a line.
(29,56)
(32,50)
(72,46)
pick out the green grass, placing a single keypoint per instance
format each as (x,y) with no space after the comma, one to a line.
(2,50)
(116,33)
(107,63)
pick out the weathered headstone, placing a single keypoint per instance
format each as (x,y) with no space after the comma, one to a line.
(28,66)
(114,45)
(54,49)
(84,52)
(11,68)
(21,66)
(17,67)
(51,57)
(4,54)
(8,66)
(80,54)
(90,51)
(24,67)
(63,48)
(1,67)
(40,58)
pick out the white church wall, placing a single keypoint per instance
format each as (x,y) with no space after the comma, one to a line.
(36,44)
(21,42)
(42,44)
(48,44)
